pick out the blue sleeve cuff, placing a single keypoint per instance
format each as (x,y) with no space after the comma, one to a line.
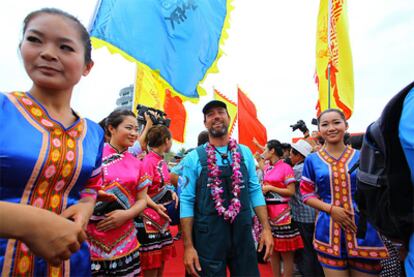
(257,199)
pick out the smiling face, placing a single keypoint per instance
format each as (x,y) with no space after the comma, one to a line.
(332,127)
(217,121)
(53,52)
(126,133)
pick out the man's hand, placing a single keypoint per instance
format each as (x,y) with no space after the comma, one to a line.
(266,239)
(191,261)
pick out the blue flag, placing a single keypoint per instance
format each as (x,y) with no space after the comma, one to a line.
(179,39)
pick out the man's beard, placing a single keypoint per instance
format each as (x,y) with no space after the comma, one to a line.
(218,133)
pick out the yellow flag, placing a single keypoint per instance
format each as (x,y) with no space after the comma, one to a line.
(334,72)
(149,88)
(231,108)
(152,91)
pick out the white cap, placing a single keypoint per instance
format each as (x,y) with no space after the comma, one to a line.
(302,147)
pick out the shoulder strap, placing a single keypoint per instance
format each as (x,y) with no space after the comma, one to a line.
(241,153)
(202,155)
(389,125)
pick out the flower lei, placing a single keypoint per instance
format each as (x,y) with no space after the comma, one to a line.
(257,229)
(214,181)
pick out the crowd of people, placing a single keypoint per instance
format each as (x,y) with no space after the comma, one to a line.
(81,199)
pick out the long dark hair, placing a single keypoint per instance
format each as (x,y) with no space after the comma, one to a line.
(276,145)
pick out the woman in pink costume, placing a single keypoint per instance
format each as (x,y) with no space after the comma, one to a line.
(157,247)
(278,187)
(111,231)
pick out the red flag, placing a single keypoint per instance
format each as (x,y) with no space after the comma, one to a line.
(231,108)
(249,126)
(175,110)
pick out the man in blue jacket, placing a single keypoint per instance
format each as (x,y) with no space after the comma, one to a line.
(213,242)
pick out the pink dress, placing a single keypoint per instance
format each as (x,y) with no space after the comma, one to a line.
(156,248)
(285,233)
(116,250)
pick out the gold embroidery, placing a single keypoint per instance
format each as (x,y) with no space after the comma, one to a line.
(49,188)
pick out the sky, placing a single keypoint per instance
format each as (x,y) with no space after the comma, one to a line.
(270,55)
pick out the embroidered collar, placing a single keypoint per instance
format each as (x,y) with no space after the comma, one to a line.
(78,118)
(116,150)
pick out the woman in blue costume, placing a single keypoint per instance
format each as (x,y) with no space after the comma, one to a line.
(50,158)
(327,186)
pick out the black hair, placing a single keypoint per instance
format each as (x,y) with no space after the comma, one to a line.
(103,124)
(296,152)
(86,41)
(276,145)
(321,140)
(332,110)
(202,138)
(286,146)
(347,138)
(115,118)
(157,135)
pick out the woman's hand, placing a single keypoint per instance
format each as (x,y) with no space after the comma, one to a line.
(81,212)
(105,197)
(266,188)
(113,220)
(161,210)
(344,218)
(47,234)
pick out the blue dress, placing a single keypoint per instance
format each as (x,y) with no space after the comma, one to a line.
(327,178)
(48,166)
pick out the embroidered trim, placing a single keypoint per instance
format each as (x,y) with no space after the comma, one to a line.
(341,196)
(49,189)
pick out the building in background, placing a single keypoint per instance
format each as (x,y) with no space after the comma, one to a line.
(126,98)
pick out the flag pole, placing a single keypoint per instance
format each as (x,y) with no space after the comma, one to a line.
(329,52)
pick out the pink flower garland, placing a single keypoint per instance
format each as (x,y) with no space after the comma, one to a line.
(257,229)
(214,181)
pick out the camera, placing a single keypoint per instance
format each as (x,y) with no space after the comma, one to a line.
(300,125)
(157,116)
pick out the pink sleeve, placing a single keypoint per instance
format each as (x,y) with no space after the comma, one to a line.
(307,189)
(289,175)
(144,180)
(146,175)
(93,185)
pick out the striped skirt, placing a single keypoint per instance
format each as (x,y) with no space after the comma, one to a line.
(285,232)
(155,249)
(128,265)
